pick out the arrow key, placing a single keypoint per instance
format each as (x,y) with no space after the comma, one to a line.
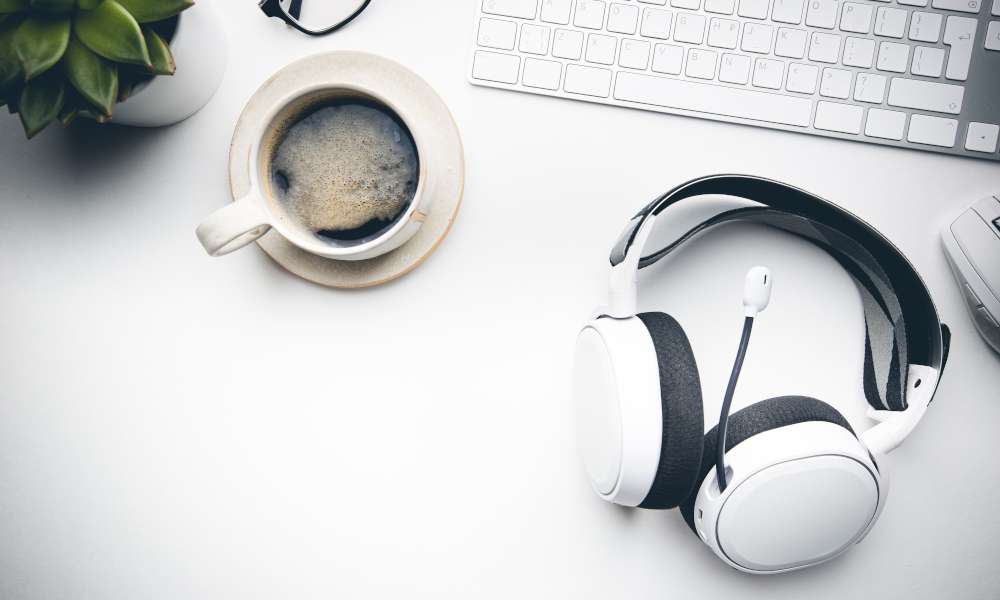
(933,131)
(982,137)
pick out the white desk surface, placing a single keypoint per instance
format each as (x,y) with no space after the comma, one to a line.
(177,426)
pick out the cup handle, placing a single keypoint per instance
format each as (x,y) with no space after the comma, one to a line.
(233,226)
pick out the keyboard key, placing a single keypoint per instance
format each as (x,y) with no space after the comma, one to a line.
(757,38)
(735,68)
(521,9)
(968,6)
(723,7)
(836,84)
(790,43)
(723,33)
(656,24)
(713,99)
(871,88)
(541,73)
(925,27)
(634,54)
(689,28)
(667,59)
(753,9)
(701,64)
(890,22)
(768,73)
(787,11)
(933,131)
(885,124)
(623,18)
(802,78)
(912,2)
(893,57)
(688,4)
(587,81)
(534,39)
(859,52)
(660,2)
(589,14)
(567,44)
(494,33)
(926,95)
(601,49)
(982,137)
(993,35)
(927,62)
(857,18)
(996,8)
(843,118)
(822,13)
(960,34)
(491,66)
(556,11)
(825,47)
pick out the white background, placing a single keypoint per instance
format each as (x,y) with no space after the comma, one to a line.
(176,426)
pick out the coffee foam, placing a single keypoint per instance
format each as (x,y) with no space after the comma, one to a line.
(342,167)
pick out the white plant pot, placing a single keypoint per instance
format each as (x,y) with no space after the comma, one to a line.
(200,51)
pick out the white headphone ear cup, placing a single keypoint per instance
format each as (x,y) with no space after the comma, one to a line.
(619,416)
(802,488)
(754,420)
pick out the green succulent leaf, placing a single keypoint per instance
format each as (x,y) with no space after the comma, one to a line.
(40,102)
(110,31)
(159,54)
(146,11)
(56,7)
(124,85)
(95,77)
(9,6)
(70,109)
(10,62)
(87,4)
(40,42)
(96,113)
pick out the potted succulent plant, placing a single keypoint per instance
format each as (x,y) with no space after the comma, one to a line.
(61,57)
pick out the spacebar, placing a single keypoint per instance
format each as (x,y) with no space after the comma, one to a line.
(714,99)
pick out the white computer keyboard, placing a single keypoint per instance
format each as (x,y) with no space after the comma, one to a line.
(911,73)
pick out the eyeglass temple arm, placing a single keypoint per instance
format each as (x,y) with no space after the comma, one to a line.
(272,8)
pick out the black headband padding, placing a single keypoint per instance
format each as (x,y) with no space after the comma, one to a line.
(922,326)
(683,413)
(755,419)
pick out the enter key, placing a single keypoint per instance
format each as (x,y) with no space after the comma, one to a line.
(960,34)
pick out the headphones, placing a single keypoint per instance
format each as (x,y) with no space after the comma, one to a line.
(800,485)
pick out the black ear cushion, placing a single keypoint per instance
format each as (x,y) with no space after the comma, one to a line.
(683,416)
(758,418)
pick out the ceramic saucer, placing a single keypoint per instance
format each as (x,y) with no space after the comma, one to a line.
(441,139)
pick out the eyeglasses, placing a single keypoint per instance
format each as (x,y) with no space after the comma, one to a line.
(314,17)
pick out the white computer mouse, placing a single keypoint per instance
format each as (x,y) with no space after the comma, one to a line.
(972,243)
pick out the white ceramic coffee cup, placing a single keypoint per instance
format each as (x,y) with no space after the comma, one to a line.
(237,224)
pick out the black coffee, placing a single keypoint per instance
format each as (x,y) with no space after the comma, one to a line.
(345,172)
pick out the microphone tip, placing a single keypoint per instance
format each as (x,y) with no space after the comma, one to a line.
(756,291)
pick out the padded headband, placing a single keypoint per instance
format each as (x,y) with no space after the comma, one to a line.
(901,323)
